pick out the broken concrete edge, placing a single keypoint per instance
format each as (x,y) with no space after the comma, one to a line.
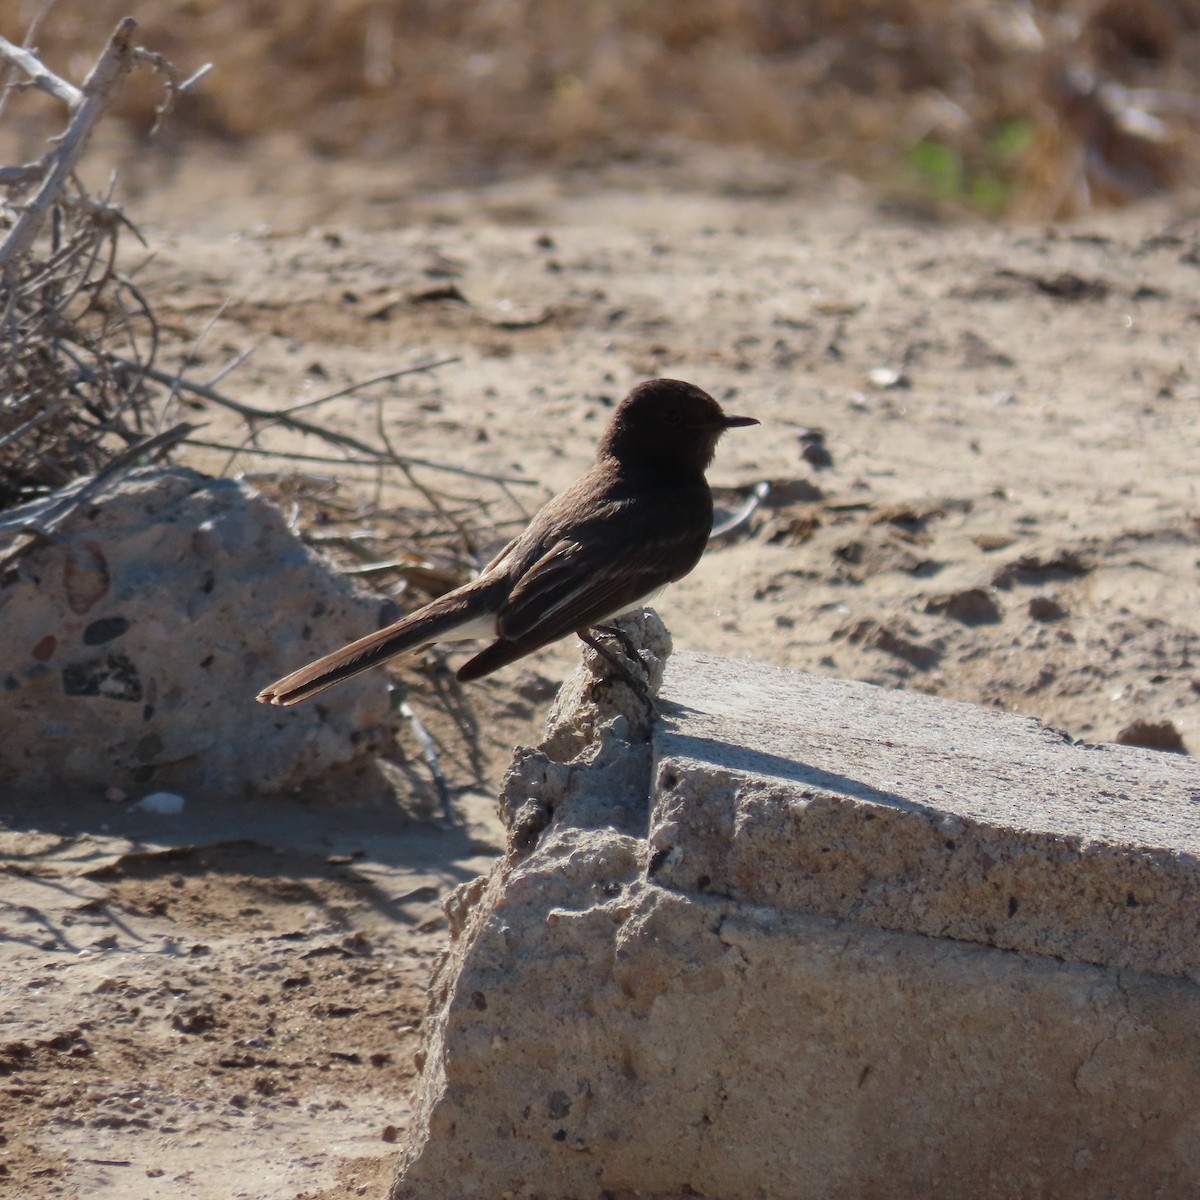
(1109,904)
(592,1033)
(923,815)
(607,1037)
(595,760)
(596,751)
(907,813)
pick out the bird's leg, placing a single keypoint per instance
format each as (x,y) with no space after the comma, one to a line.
(631,651)
(621,668)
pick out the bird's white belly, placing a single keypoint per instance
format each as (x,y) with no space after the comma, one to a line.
(485,626)
(648,598)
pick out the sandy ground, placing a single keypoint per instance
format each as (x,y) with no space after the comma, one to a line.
(226,1004)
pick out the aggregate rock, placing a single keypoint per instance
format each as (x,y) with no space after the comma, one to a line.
(644,998)
(137,640)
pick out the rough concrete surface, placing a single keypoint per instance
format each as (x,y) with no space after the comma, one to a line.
(925,815)
(135,642)
(595,1032)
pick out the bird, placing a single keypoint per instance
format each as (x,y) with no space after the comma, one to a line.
(637,520)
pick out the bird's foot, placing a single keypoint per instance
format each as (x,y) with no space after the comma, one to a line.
(622,667)
(632,650)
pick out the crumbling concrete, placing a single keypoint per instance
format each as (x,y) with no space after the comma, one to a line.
(923,815)
(135,642)
(800,938)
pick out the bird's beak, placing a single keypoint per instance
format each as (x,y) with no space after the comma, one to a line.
(733,422)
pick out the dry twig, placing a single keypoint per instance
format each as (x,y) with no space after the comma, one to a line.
(65,408)
(265,416)
(85,107)
(38,521)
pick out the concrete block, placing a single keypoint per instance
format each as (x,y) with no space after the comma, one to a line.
(134,644)
(764,945)
(919,814)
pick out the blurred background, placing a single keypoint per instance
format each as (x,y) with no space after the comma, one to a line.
(999,107)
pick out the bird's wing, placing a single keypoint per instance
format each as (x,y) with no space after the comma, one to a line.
(628,552)
(499,556)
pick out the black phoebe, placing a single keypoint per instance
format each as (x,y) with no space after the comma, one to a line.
(636,521)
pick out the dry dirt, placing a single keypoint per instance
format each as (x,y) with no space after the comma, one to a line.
(225,1003)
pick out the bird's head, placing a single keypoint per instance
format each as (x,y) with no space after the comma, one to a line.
(669,424)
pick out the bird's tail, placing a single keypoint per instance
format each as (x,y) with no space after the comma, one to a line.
(464,613)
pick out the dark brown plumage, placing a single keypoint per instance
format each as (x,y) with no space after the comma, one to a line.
(637,520)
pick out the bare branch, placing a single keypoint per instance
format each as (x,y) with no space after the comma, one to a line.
(86,106)
(8,88)
(36,523)
(174,84)
(22,174)
(42,79)
(429,753)
(194,79)
(748,507)
(382,377)
(252,414)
